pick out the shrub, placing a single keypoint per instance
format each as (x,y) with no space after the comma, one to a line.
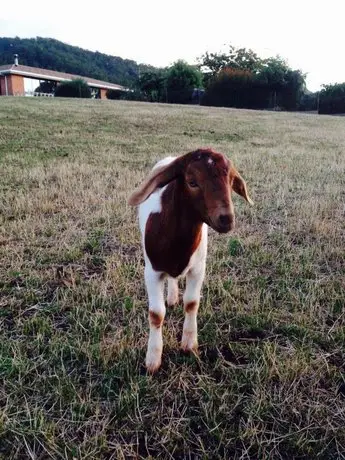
(73,88)
(308,102)
(134,95)
(332,99)
(114,94)
(46,87)
(230,88)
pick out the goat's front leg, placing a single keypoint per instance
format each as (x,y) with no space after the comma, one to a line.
(191,300)
(155,290)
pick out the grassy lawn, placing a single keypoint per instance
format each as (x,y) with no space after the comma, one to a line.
(269,381)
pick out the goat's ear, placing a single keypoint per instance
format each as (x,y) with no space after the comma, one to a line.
(159,177)
(238,185)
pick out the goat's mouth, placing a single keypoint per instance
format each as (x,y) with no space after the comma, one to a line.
(223,228)
(223,224)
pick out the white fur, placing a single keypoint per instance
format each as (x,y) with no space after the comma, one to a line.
(194,272)
(155,291)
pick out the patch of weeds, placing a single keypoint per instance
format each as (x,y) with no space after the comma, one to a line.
(128,303)
(252,326)
(235,247)
(338,307)
(293,331)
(93,244)
(38,326)
(228,284)
(95,264)
(71,255)
(262,281)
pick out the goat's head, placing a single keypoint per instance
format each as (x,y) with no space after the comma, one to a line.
(207,179)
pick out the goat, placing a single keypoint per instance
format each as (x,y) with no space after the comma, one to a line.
(180,198)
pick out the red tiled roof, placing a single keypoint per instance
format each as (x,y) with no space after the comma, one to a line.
(27,71)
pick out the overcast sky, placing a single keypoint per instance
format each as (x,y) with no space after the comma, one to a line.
(309,34)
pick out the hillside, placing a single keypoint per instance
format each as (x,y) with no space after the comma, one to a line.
(52,54)
(268,382)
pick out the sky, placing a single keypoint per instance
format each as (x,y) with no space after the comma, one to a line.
(308,34)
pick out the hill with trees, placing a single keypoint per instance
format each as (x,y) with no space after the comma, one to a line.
(52,54)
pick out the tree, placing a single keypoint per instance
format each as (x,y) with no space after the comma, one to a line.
(181,81)
(240,78)
(272,72)
(236,58)
(73,88)
(332,99)
(284,87)
(293,90)
(152,83)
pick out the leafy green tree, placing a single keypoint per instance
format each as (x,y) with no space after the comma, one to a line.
(181,80)
(293,90)
(332,99)
(152,83)
(283,86)
(273,71)
(240,78)
(235,58)
(73,88)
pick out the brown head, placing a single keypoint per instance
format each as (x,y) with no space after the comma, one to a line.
(207,179)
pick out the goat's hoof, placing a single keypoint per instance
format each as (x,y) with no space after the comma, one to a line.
(152,364)
(189,342)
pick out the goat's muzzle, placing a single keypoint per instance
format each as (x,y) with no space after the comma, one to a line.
(223,223)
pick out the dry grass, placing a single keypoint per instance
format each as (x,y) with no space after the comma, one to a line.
(269,380)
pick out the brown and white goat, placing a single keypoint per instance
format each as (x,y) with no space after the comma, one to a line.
(180,198)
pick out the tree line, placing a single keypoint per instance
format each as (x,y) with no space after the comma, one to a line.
(237,77)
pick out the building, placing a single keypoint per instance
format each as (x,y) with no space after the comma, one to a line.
(21,80)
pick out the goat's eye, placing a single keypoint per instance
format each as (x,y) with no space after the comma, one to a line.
(192,184)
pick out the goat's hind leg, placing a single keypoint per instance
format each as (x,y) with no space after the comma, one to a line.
(155,290)
(191,300)
(172,298)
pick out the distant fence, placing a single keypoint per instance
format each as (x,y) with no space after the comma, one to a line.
(38,94)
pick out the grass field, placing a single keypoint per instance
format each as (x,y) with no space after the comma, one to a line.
(269,381)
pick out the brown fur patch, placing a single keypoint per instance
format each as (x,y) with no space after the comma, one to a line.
(190,306)
(173,235)
(156,319)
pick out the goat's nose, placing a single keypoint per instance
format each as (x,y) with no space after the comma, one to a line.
(224,220)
